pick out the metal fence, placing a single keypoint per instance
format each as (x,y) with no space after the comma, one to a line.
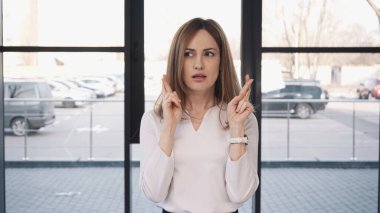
(351,111)
(355,113)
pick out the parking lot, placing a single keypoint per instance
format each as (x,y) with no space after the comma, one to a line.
(327,135)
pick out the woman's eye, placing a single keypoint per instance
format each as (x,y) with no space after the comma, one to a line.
(209,53)
(188,54)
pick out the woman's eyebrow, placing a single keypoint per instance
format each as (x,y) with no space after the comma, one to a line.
(207,49)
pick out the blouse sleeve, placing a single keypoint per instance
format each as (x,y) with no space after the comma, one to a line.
(156,169)
(241,175)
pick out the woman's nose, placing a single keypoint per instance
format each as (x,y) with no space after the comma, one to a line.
(198,64)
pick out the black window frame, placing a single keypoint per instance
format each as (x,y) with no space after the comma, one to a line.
(133,49)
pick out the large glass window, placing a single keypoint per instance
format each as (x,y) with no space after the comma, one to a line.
(64,114)
(323,23)
(87,112)
(161,21)
(319,112)
(163,18)
(64,111)
(63,23)
(64,149)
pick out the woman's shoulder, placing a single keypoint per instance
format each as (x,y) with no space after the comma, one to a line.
(151,115)
(252,120)
(222,107)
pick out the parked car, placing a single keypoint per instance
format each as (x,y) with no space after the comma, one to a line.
(98,83)
(76,87)
(23,108)
(119,83)
(99,93)
(69,98)
(369,89)
(304,91)
(108,80)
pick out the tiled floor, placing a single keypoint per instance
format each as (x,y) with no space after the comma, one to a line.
(283,190)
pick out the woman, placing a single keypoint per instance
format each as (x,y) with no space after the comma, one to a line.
(200,143)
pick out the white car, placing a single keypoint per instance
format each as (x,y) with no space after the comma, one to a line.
(68,98)
(76,87)
(117,83)
(98,83)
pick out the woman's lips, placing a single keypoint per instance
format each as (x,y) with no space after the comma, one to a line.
(199,77)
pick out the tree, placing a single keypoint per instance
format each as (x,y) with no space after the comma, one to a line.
(376,9)
(309,23)
(305,27)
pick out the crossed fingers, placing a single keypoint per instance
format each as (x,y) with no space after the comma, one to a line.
(165,85)
(169,96)
(243,97)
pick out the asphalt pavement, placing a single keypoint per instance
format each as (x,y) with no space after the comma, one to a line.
(329,135)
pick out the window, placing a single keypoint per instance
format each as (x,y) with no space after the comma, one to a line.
(64,143)
(82,23)
(159,22)
(319,44)
(78,143)
(319,24)
(22,91)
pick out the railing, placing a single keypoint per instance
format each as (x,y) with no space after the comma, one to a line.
(373,111)
(100,119)
(38,110)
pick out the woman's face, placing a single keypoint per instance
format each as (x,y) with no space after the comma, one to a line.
(201,63)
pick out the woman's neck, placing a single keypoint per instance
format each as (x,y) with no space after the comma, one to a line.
(200,102)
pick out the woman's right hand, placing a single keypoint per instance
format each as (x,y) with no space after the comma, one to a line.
(171,104)
(172,113)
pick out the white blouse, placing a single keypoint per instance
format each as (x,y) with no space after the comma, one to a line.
(199,176)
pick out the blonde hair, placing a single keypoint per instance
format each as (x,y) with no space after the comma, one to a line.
(226,86)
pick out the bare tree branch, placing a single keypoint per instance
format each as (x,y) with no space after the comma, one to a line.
(287,37)
(376,9)
(288,41)
(320,27)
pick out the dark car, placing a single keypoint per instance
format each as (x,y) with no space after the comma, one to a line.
(298,99)
(369,89)
(23,108)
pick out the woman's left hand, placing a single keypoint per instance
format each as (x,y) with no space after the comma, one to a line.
(239,108)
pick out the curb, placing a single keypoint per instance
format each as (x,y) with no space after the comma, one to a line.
(264,164)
